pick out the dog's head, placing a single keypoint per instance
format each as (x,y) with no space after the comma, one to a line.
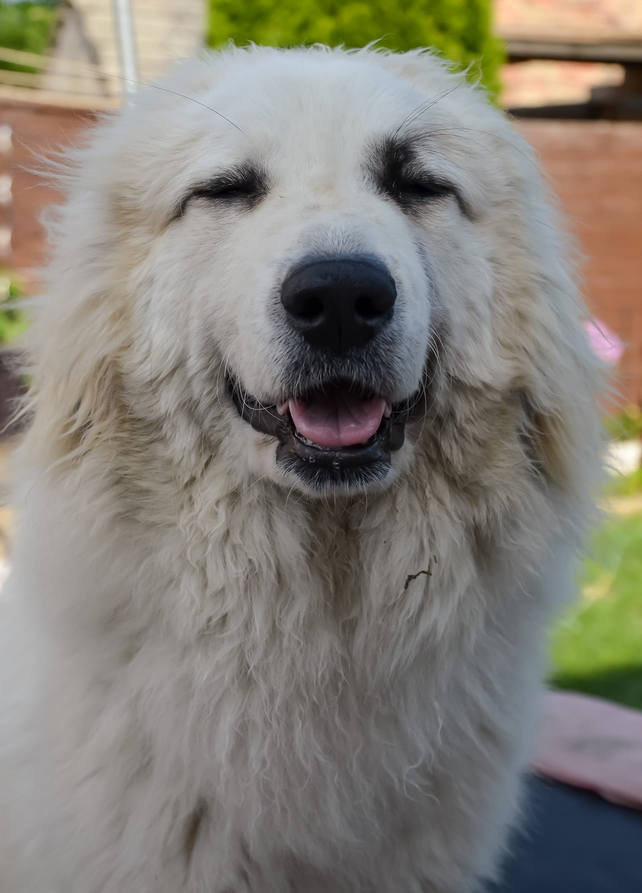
(287,256)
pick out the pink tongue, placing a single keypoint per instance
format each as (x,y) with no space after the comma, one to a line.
(337,420)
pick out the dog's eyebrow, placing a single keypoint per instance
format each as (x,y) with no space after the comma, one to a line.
(245,181)
(393,152)
(394,163)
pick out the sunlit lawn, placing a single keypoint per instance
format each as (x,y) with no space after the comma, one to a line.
(597,647)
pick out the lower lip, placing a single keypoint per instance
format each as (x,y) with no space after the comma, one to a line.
(359,456)
(321,470)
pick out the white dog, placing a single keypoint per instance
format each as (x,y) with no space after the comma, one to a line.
(313,436)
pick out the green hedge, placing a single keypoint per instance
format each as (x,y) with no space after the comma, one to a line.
(626,424)
(26,26)
(13,321)
(459,29)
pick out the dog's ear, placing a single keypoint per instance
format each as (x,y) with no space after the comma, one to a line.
(74,393)
(564,380)
(79,325)
(560,446)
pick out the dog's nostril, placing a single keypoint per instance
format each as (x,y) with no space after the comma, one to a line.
(366,308)
(309,308)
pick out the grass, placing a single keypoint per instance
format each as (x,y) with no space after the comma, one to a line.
(597,647)
(626,485)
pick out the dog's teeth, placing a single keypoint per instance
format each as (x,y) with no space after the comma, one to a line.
(282,408)
(387,410)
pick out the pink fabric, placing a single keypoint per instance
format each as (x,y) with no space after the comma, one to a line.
(604,342)
(593,744)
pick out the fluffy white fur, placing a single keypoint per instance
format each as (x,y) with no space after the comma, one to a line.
(219,682)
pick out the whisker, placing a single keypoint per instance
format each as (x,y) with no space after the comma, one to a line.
(186,96)
(426,106)
(89,69)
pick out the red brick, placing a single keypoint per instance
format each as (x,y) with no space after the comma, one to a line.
(596,169)
(37,131)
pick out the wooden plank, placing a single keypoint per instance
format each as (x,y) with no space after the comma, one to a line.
(623,51)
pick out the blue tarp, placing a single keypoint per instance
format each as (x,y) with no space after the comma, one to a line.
(573,841)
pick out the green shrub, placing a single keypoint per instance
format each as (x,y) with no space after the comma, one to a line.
(459,29)
(26,26)
(625,484)
(12,319)
(626,425)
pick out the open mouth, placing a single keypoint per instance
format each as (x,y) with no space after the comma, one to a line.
(341,433)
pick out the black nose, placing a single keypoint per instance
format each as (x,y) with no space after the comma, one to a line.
(339,303)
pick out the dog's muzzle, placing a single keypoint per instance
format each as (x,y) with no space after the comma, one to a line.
(337,427)
(339,435)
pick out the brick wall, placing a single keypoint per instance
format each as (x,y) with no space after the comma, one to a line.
(595,167)
(27,129)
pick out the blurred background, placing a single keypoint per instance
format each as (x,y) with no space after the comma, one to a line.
(570,71)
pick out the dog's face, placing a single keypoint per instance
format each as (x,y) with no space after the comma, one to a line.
(304,240)
(301,239)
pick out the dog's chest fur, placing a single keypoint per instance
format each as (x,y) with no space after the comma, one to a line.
(278,680)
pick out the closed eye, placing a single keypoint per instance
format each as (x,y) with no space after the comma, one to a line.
(245,184)
(422,186)
(398,173)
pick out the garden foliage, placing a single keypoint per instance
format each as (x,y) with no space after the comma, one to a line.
(26,26)
(13,320)
(458,29)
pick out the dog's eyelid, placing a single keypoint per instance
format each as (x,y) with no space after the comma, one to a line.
(425,182)
(421,186)
(227,185)
(245,182)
